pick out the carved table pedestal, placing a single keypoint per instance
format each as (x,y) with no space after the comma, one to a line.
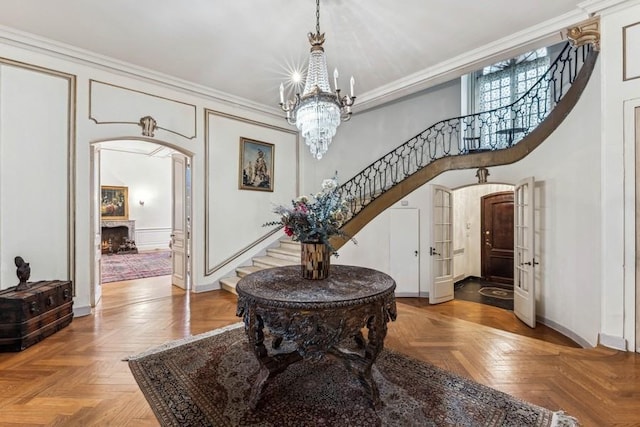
(312,319)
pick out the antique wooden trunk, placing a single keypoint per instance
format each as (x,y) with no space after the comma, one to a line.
(29,316)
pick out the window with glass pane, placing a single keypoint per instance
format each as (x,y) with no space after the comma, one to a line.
(506,83)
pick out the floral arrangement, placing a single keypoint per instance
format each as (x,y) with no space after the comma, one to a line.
(315,218)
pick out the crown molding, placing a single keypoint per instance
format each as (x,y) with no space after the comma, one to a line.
(41,45)
(540,35)
(594,7)
(548,32)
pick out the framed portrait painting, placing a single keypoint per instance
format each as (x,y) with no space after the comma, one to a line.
(114,203)
(256,165)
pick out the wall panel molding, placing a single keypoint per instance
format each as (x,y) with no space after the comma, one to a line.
(71,112)
(211,268)
(108,110)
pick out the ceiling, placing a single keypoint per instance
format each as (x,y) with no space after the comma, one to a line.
(242,49)
(133,146)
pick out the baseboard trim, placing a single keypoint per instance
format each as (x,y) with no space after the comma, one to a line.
(81,311)
(407,294)
(564,331)
(206,287)
(618,343)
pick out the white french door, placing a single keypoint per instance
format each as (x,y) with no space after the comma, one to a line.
(179,218)
(524,299)
(96,228)
(441,252)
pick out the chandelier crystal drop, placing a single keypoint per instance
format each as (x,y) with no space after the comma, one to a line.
(317,113)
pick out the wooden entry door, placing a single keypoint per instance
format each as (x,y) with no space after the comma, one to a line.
(497,237)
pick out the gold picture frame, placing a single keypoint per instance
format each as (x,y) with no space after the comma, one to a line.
(256,165)
(114,203)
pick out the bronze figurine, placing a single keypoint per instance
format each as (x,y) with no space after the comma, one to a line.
(23,272)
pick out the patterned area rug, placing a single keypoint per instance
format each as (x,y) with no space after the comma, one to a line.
(116,268)
(206,381)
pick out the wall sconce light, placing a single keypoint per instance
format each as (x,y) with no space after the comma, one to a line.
(141,202)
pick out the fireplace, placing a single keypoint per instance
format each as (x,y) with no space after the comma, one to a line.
(118,237)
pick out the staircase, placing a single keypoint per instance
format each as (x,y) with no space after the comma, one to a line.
(442,147)
(288,253)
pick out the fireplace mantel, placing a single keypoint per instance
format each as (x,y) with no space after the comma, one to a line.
(130,224)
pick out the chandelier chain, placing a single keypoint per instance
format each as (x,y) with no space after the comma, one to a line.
(318,111)
(317,16)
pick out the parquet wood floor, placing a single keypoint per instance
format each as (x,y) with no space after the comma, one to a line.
(77,377)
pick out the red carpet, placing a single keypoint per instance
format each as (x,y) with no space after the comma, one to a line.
(116,268)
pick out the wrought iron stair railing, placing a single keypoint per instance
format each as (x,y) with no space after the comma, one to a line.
(477,139)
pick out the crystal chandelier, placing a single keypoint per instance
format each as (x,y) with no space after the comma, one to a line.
(318,112)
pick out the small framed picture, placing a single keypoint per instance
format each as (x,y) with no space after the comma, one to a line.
(114,203)
(256,165)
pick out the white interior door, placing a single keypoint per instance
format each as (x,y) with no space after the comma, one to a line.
(441,252)
(96,228)
(179,232)
(524,298)
(404,255)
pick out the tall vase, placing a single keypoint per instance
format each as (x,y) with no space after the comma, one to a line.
(314,258)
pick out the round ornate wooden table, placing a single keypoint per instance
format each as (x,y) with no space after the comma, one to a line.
(312,319)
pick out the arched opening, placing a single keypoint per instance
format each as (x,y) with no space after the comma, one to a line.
(140,213)
(483,244)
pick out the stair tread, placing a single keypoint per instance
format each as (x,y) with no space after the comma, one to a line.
(285,251)
(288,253)
(269,260)
(248,269)
(231,280)
(229,284)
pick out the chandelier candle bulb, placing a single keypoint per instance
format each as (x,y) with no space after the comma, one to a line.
(335,79)
(352,84)
(282,93)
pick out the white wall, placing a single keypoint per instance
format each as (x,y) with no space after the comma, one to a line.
(235,216)
(149,179)
(41,119)
(618,181)
(35,150)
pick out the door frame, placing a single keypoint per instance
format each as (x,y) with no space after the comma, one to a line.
(483,255)
(92,227)
(636,138)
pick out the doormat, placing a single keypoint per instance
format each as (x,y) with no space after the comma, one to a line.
(206,381)
(499,293)
(116,268)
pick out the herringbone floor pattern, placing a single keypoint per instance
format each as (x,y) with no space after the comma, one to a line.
(76,377)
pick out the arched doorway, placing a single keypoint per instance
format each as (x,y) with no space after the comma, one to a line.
(137,160)
(472,270)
